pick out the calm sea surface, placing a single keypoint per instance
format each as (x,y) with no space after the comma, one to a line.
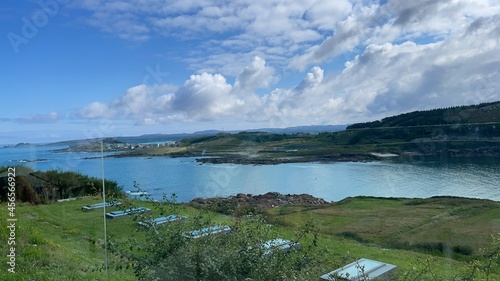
(331,181)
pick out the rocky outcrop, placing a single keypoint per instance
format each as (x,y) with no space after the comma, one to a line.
(243,160)
(268,200)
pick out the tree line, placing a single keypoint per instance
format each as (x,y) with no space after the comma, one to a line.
(440,116)
(38,187)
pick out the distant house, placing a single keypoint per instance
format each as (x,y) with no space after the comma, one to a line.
(362,269)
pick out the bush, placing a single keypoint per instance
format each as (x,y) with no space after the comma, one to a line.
(438,248)
(25,191)
(487,264)
(241,211)
(38,187)
(353,236)
(166,254)
(463,250)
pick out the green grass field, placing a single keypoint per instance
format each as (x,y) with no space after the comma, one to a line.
(52,241)
(405,223)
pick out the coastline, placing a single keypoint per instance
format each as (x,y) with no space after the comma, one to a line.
(275,199)
(242,160)
(346,157)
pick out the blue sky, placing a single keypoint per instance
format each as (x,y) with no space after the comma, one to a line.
(81,69)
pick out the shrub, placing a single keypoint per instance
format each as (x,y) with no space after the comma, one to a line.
(463,250)
(38,187)
(353,236)
(166,254)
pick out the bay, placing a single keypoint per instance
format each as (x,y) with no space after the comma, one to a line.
(422,178)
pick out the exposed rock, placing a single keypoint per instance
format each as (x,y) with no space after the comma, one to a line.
(243,160)
(268,200)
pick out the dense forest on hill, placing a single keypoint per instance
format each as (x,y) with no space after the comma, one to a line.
(471,114)
(477,125)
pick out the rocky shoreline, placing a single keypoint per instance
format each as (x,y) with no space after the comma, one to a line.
(263,159)
(268,200)
(237,159)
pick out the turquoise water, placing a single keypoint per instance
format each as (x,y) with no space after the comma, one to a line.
(331,181)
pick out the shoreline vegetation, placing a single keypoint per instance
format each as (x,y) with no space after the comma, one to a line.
(43,187)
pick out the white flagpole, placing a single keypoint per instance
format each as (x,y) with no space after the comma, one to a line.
(104,210)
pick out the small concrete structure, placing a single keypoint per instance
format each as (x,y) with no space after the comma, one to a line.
(66,200)
(161,220)
(279,244)
(217,229)
(362,269)
(100,205)
(131,211)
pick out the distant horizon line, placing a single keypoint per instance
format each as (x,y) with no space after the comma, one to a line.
(268,129)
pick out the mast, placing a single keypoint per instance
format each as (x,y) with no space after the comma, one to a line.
(104,211)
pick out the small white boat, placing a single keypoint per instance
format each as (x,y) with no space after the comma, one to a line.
(137,193)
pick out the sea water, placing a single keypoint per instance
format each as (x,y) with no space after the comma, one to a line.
(420,178)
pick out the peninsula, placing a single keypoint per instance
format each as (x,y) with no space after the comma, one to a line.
(462,131)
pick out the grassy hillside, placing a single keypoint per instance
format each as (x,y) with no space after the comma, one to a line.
(53,240)
(448,226)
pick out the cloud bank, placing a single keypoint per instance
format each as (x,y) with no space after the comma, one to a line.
(399,56)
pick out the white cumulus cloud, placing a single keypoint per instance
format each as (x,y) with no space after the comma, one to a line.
(367,59)
(256,75)
(205,97)
(50,117)
(97,110)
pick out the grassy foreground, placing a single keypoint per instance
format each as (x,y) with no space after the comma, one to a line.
(461,225)
(52,241)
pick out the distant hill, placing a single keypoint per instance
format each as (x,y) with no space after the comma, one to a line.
(455,131)
(471,114)
(161,138)
(314,129)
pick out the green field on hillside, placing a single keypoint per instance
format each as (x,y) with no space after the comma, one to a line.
(53,241)
(463,226)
